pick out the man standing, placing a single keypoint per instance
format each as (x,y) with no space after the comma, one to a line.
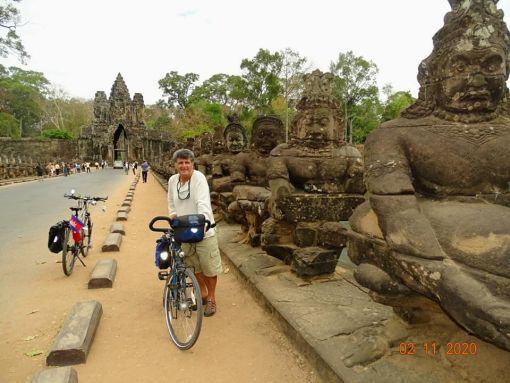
(145,170)
(188,193)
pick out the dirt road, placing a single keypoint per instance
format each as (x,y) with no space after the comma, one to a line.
(239,344)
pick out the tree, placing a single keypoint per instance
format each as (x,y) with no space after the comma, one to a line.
(293,68)
(178,88)
(10,42)
(22,96)
(261,79)
(220,89)
(355,83)
(395,103)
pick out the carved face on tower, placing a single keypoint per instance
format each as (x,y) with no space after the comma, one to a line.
(472,80)
(267,133)
(235,138)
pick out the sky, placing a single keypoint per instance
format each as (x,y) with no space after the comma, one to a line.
(81,45)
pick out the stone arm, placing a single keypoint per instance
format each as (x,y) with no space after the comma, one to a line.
(238,168)
(278,177)
(392,197)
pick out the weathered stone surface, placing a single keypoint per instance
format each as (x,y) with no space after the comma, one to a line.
(72,344)
(103,274)
(124,209)
(117,227)
(305,234)
(56,375)
(438,179)
(122,216)
(112,242)
(126,203)
(332,234)
(314,261)
(308,207)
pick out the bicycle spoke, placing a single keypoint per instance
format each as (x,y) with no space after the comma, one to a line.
(183,311)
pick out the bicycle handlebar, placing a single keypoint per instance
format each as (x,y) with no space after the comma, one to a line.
(169,220)
(160,218)
(86,198)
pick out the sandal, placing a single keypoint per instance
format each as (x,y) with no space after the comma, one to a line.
(210,308)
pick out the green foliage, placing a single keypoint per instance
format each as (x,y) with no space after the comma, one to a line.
(21,96)
(10,42)
(195,131)
(395,104)
(365,117)
(261,77)
(58,134)
(178,88)
(9,126)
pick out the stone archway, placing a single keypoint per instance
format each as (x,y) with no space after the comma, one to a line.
(120,144)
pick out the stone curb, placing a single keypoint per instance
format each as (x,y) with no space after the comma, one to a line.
(56,375)
(122,216)
(103,274)
(117,227)
(112,242)
(72,344)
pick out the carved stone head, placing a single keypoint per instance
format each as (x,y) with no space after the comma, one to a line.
(267,132)
(464,78)
(235,137)
(318,120)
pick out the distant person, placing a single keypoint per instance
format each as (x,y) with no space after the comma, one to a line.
(126,167)
(65,169)
(145,169)
(39,170)
(57,169)
(97,165)
(134,165)
(87,167)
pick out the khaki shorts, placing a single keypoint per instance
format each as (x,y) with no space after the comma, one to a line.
(203,257)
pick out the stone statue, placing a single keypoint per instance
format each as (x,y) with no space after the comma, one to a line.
(438,219)
(314,178)
(235,141)
(249,172)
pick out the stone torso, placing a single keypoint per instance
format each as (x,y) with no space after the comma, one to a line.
(446,158)
(322,170)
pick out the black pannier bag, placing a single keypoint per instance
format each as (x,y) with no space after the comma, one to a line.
(56,237)
(189,228)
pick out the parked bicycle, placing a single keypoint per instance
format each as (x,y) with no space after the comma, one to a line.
(77,236)
(182,299)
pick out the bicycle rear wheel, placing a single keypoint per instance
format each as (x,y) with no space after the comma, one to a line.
(183,309)
(69,252)
(86,234)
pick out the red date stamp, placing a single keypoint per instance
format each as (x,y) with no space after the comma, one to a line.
(432,348)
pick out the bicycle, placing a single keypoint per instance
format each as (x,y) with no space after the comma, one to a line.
(78,232)
(182,299)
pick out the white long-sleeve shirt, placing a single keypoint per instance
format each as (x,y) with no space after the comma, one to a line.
(199,201)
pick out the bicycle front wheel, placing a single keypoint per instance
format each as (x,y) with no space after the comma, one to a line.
(86,234)
(183,309)
(69,252)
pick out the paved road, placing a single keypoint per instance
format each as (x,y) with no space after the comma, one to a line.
(27,210)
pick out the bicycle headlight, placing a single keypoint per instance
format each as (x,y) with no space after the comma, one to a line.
(163,255)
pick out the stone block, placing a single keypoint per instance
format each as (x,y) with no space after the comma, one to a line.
(307,207)
(56,375)
(122,216)
(305,234)
(126,203)
(124,209)
(112,242)
(117,227)
(72,344)
(314,261)
(332,234)
(283,252)
(103,274)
